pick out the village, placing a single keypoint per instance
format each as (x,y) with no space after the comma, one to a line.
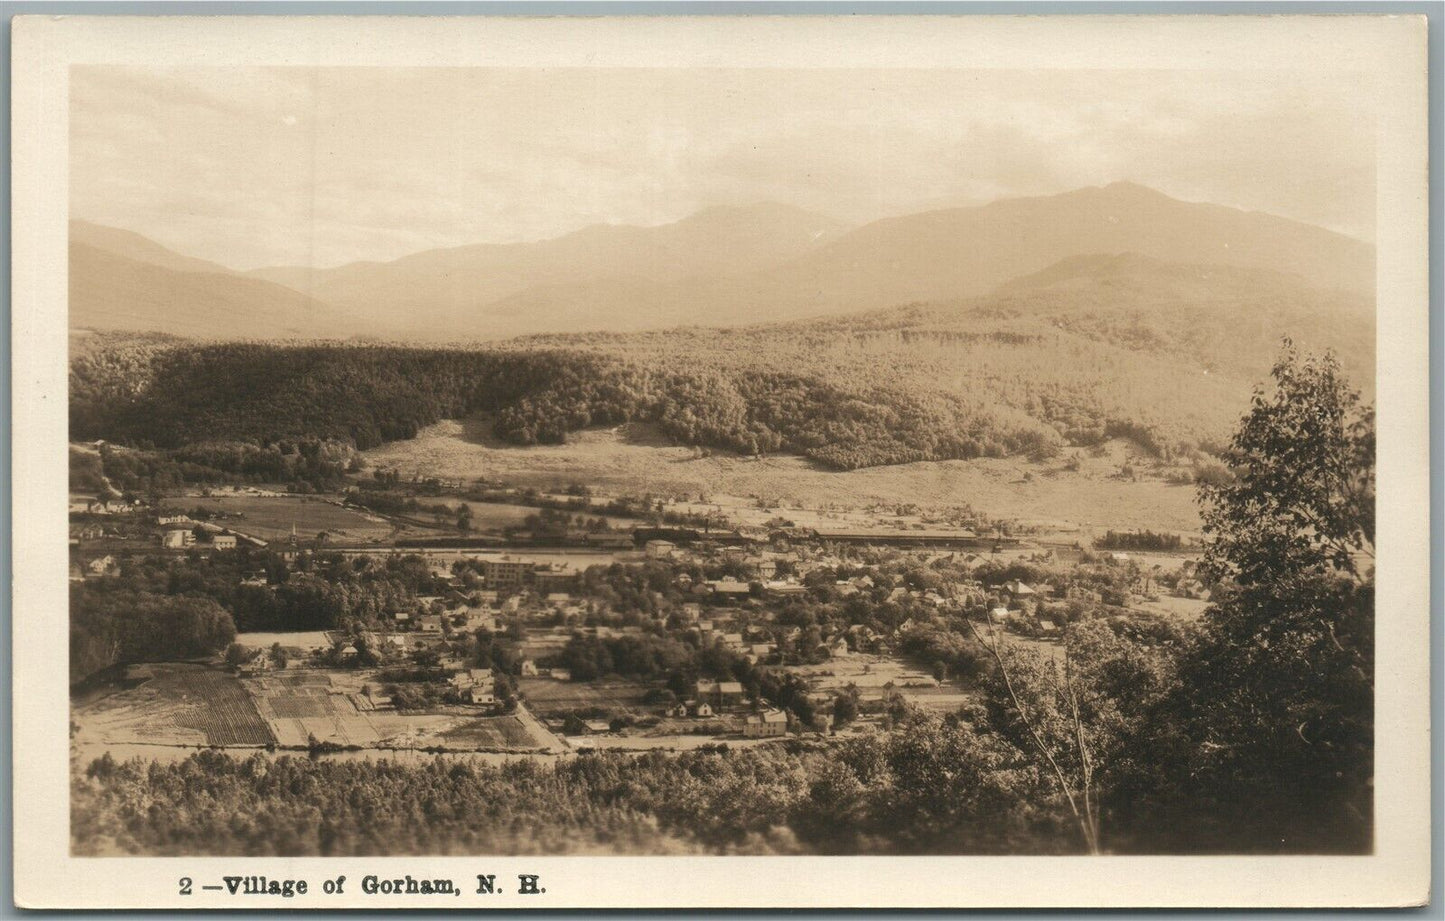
(649,637)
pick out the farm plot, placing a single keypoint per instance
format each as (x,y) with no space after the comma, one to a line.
(304,705)
(546,696)
(180,704)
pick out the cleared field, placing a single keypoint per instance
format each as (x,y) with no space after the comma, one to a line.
(307,639)
(271,517)
(1184,608)
(494,516)
(179,704)
(877,676)
(546,696)
(628,459)
(492,732)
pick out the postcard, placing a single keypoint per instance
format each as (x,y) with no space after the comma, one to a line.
(720,461)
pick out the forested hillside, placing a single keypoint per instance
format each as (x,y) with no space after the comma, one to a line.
(1092,348)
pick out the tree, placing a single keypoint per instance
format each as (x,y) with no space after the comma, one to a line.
(1267,742)
(238,655)
(1037,708)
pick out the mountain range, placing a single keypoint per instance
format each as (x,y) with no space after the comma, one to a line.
(726,267)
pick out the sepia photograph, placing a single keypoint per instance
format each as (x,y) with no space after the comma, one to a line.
(766,458)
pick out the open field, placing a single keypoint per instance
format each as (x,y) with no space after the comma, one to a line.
(1183,608)
(271,517)
(306,639)
(876,676)
(494,516)
(545,696)
(626,460)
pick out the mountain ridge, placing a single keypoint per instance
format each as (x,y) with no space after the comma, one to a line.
(738,265)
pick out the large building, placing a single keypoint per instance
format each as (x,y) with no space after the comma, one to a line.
(178,538)
(765,724)
(506,575)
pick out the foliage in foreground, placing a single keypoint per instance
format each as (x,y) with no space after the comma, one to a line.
(939,787)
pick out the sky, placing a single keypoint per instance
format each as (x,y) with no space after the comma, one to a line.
(252,166)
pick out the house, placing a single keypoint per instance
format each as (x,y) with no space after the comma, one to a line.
(720,693)
(103,566)
(659,549)
(700,709)
(838,647)
(767,724)
(1017,590)
(691,611)
(177,538)
(87,531)
(529,668)
(676,710)
(596,726)
(224,542)
(730,693)
(733,640)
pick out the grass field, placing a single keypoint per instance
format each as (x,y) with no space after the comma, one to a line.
(271,517)
(627,459)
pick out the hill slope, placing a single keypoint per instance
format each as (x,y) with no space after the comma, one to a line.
(109,291)
(137,248)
